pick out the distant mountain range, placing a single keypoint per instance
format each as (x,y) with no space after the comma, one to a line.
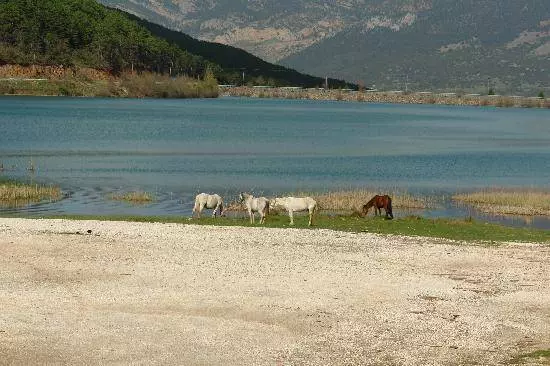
(469,45)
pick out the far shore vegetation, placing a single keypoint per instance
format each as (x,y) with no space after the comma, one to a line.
(84,82)
(14,194)
(508,202)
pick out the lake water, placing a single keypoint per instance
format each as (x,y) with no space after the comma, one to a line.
(177,148)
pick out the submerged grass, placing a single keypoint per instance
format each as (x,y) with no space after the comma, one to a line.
(132,197)
(455,229)
(507,202)
(15,194)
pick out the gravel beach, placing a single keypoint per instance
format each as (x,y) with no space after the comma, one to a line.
(92,292)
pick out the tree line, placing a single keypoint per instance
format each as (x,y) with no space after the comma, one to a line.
(84,33)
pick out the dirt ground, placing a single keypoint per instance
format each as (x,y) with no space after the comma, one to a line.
(200,295)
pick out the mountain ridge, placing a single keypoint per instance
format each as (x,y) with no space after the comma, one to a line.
(438,44)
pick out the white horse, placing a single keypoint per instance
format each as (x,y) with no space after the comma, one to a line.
(295,204)
(204,200)
(253,205)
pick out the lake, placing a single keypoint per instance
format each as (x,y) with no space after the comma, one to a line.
(92,147)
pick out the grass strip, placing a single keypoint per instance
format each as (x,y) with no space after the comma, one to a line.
(455,229)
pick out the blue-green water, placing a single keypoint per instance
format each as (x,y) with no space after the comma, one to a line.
(177,148)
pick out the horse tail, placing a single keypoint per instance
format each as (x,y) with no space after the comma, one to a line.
(390,212)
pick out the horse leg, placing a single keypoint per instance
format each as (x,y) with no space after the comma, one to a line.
(290,214)
(310,218)
(201,207)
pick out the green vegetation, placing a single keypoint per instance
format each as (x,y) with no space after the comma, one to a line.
(494,201)
(535,357)
(85,33)
(71,35)
(13,194)
(461,230)
(132,197)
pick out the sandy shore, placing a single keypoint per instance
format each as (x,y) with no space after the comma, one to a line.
(184,294)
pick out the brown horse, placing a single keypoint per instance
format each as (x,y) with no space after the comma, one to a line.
(379,202)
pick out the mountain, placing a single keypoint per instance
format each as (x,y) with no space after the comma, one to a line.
(237,66)
(414,44)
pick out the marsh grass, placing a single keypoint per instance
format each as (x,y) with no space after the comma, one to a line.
(132,197)
(353,200)
(350,200)
(14,194)
(508,202)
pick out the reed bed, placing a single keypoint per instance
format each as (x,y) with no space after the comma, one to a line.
(508,202)
(352,200)
(132,197)
(19,194)
(355,199)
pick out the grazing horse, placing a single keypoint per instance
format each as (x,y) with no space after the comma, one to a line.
(379,202)
(204,200)
(295,204)
(253,205)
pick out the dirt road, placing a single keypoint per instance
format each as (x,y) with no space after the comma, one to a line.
(184,294)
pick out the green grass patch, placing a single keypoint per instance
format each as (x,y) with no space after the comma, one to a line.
(540,357)
(455,229)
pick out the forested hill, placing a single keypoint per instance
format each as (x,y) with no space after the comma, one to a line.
(234,61)
(84,33)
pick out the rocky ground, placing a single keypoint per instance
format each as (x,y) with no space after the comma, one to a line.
(91,292)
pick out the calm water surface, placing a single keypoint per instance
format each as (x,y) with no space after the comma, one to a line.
(176,148)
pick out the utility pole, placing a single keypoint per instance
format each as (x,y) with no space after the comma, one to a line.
(243,77)
(326,82)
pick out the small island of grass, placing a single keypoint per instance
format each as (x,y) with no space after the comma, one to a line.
(508,202)
(13,194)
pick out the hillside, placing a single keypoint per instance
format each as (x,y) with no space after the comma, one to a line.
(236,64)
(86,34)
(415,44)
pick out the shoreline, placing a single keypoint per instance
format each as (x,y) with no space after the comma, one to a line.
(66,81)
(393,97)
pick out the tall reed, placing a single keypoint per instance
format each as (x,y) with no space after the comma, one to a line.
(15,194)
(504,201)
